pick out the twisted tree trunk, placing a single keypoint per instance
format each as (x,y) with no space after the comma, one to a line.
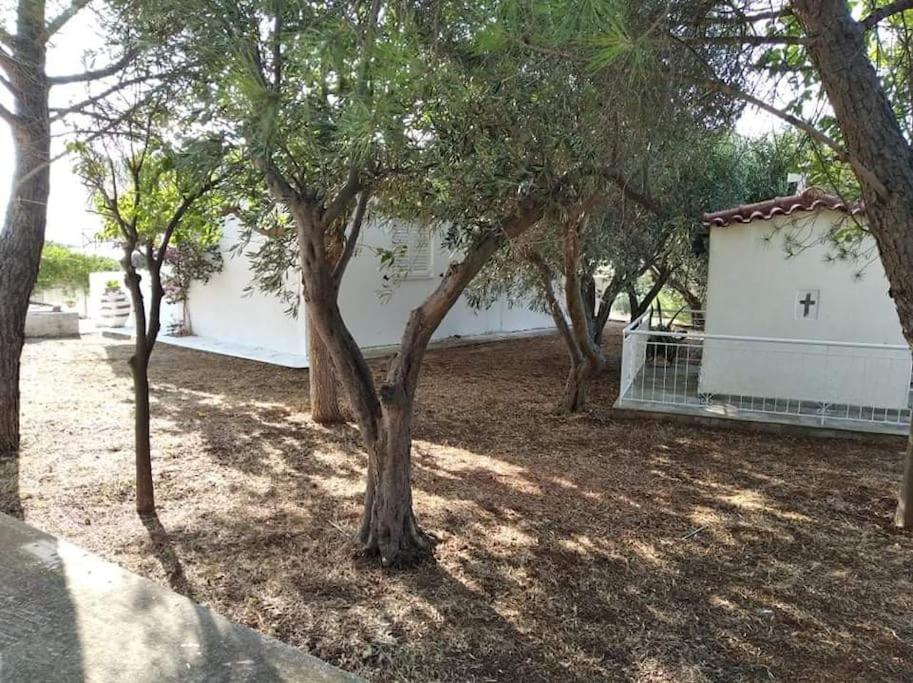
(388,529)
(388,526)
(881,157)
(581,331)
(322,385)
(22,236)
(577,386)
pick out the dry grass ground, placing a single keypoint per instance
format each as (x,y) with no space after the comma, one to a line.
(563,550)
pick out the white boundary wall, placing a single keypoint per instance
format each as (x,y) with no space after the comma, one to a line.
(171,313)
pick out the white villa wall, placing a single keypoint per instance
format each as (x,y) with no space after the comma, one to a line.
(752,291)
(376,320)
(220,309)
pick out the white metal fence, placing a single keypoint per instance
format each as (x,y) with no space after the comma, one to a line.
(822,383)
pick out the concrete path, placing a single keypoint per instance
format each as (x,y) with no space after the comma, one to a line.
(292,360)
(67,615)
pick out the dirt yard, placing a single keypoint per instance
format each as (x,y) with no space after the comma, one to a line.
(571,548)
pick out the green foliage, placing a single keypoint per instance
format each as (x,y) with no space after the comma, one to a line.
(150,185)
(149,191)
(704,172)
(69,269)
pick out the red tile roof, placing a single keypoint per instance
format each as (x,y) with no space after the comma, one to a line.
(813,199)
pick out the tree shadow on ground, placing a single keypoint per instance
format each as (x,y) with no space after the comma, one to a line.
(163,547)
(572,548)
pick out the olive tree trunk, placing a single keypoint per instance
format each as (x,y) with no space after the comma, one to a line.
(388,530)
(880,155)
(577,386)
(388,526)
(322,384)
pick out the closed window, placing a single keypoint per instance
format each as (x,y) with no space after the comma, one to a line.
(413,248)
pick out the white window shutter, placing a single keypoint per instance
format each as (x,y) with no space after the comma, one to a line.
(414,251)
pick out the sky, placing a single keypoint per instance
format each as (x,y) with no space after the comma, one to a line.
(69,219)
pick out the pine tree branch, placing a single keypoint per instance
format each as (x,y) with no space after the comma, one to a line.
(802,125)
(95,74)
(739,17)
(6,38)
(61,19)
(58,113)
(8,116)
(748,40)
(882,13)
(6,83)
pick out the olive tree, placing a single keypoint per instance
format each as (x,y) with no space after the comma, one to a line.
(435,112)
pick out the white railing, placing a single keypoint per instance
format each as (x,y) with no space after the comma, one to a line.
(633,349)
(797,380)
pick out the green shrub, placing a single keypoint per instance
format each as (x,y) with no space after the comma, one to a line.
(68,269)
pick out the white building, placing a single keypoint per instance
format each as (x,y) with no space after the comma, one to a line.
(792,333)
(225,318)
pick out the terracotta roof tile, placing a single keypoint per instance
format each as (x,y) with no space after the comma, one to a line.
(812,199)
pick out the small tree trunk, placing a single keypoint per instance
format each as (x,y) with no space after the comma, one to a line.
(324,391)
(145,496)
(903,517)
(388,528)
(139,368)
(577,386)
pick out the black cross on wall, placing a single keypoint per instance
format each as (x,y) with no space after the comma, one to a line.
(807,304)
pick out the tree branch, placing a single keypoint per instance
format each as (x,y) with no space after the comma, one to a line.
(580,326)
(882,13)
(739,17)
(6,83)
(339,203)
(61,112)
(403,371)
(548,292)
(61,19)
(748,40)
(95,74)
(802,125)
(9,116)
(640,198)
(7,62)
(352,238)
(178,216)
(6,38)
(609,294)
